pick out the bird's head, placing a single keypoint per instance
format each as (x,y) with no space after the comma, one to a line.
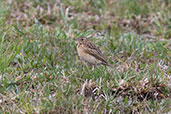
(81,40)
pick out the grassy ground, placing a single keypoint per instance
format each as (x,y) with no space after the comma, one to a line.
(41,73)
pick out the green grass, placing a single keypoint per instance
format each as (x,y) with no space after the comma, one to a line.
(40,71)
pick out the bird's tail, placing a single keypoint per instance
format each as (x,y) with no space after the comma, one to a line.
(108,64)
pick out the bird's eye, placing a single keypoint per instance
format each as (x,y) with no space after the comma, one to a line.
(82,39)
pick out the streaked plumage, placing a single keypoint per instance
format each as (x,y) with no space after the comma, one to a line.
(88,52)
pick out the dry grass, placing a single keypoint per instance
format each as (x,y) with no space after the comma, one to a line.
(40,71)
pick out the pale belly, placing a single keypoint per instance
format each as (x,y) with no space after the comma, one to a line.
(87,58)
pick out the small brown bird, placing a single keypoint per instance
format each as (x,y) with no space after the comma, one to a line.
(89,53)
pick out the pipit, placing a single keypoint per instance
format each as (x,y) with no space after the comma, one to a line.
(90,53)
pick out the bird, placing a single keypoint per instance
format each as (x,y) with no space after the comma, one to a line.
(89,53)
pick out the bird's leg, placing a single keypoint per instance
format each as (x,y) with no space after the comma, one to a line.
(87,66)
(92,68)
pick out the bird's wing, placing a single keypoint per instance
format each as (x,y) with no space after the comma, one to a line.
(94,51)
(94,47)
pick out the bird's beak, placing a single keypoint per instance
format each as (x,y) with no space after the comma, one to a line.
(76,40)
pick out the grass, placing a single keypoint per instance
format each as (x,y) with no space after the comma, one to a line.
(40,71)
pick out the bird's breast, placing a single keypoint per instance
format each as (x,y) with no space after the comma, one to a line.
(85,56)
